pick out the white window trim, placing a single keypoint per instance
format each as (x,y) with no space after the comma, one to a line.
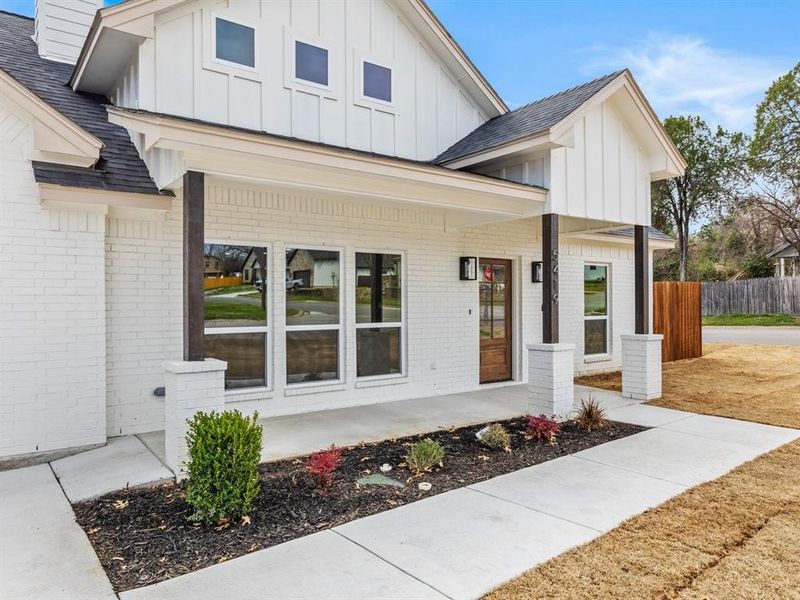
(291,81)
(267,329)
(210,60)
(359,98)
(403,374)
(607,354)
(293,389)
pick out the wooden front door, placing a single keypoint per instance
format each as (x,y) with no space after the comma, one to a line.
(494,276)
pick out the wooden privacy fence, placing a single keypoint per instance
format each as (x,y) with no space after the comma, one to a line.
(770,295)
(676,315)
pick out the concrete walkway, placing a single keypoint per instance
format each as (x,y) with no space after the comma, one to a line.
(773,336)
(463,543)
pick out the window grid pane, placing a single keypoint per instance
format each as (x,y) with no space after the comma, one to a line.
(235,43)
(245,354)
(378,301)
(311,63)
(377,82)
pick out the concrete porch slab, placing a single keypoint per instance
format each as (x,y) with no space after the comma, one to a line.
(615,494)
(608,399)
(465,543)
(323,565)
(123,461)
(44,554)
(676,457)
(757,435)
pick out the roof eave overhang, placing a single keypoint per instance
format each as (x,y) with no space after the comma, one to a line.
(100,200)
(271,160)
(57,139)
(654,243)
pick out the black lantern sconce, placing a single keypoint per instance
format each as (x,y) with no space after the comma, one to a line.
(468,270)
(536,271)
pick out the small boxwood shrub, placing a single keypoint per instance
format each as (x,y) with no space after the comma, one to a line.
(222,472)
(591,415)
(542,428)
(496,437)
(424,455)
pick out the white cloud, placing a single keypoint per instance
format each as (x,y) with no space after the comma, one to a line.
(684,75)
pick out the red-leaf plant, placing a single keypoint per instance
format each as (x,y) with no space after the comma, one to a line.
(321,465)
(542,428)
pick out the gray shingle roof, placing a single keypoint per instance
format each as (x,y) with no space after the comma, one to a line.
(120,168)
(530,119)
(655,234)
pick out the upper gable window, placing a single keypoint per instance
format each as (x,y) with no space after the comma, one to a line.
(310,63)
(377,82)
(235,43)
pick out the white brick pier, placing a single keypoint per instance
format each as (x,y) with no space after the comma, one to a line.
(550,379)
(641,366)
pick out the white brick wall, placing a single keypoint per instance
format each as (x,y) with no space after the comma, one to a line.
(52,310)
(144,328)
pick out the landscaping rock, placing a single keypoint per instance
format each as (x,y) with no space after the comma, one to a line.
(377,479)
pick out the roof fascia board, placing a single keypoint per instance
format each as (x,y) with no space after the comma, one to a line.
(421,9)
(59,196)
(178,134)
(79,147)
(536,141)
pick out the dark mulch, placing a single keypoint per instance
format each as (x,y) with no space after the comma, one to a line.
(142,536)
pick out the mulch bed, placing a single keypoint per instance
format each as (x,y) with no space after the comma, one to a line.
(142,536)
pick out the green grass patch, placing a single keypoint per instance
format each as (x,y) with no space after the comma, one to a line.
(751,320)
(233,310)
(231,289)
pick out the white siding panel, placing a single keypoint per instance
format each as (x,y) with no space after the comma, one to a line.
(430,111)
(594,163)
(175,62)
(611,164)
(383,132)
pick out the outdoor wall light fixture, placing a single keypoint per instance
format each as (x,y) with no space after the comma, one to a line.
(536,271)
(468,268)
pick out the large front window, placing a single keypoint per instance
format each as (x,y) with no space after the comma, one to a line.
(379,314)
(595,309)
(236,301)
(313,315)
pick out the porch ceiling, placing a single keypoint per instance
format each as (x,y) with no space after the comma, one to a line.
(238,154)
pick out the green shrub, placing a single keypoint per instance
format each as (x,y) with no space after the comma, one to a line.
(224,453)
(496,437)
(424,455)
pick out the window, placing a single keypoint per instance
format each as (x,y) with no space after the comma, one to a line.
(310,63)
(313,315)
(377,82)
(595,309)
(235,43)
(236,301)
(379,314)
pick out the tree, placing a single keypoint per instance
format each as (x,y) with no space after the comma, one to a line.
(775,156)
(711,178)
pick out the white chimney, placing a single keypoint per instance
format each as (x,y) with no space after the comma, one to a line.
(62,26)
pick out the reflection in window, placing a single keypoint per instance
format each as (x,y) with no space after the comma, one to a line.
(235,303)
(377,82)
(492,292)
(311,63)
(313,323)
(378,300)
(595,309)
(235,43)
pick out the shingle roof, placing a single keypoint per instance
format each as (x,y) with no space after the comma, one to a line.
(655,234)
(530,119)
(120,168)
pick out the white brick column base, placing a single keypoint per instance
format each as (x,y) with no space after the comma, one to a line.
(550,375)
(641,366)
(190,386)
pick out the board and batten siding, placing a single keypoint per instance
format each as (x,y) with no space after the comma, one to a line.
(605,175)
(175,73)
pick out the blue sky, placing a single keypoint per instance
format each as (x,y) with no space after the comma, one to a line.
(709,58)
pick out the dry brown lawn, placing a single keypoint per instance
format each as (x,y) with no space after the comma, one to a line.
(753,383)
(737,537)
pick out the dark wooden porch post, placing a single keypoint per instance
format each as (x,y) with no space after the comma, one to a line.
(642,278)
(193,206)
(550,278)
